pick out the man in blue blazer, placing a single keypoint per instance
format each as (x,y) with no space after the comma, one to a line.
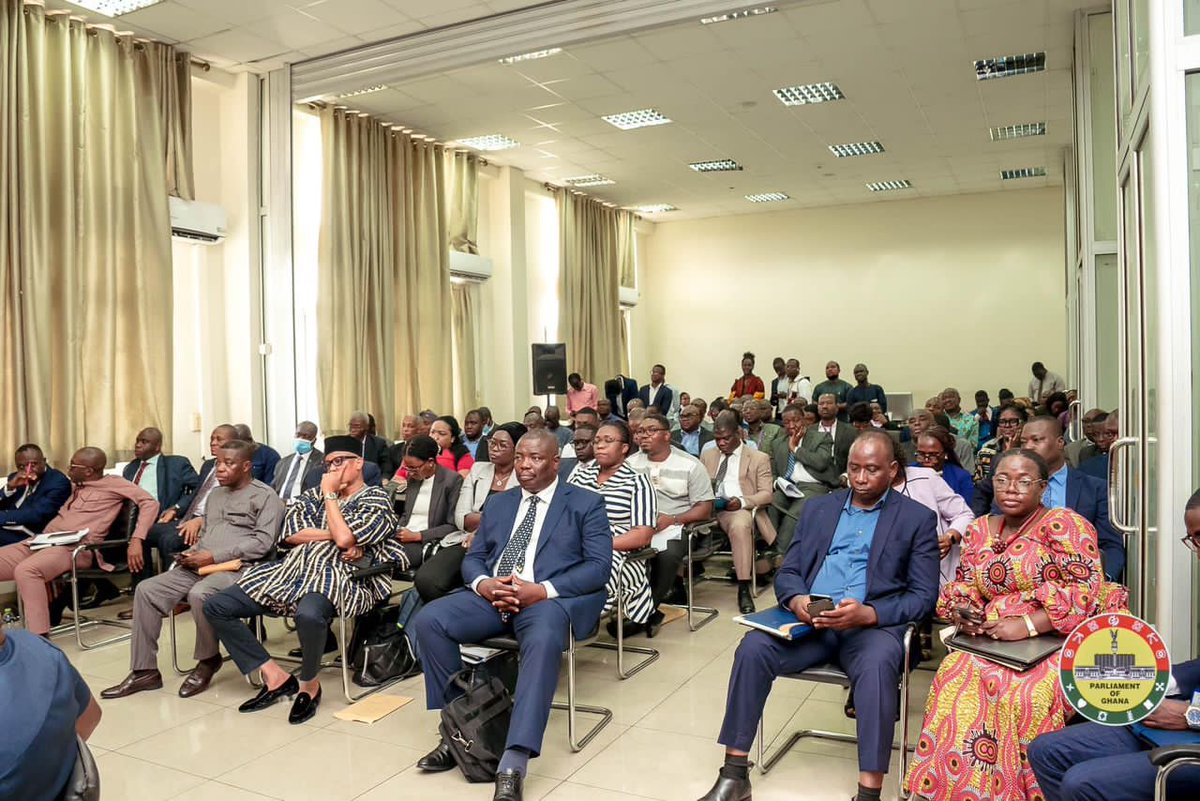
(32,495)
(1090,762)
(874,552)
(538,565)
(620,391)
(170,479)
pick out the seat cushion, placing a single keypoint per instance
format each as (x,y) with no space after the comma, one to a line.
(823,674)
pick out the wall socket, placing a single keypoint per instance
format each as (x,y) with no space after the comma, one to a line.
(196,421)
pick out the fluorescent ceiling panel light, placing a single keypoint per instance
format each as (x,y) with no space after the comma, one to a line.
(365,91)
(114,8)
(655,208)
(889,186)
(855,149)
(536,54)
(741,14)
(490,142)
(589,180)
(1008,66)
(720,165)
(808,94)
(1019,131)
(1024,172)
(642,118)
(767,197)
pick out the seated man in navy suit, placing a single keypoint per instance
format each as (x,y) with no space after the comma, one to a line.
(1090,762)
(536,569)
(875,553)
(32,495)
(170,479)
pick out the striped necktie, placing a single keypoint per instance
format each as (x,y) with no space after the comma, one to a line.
(512,560)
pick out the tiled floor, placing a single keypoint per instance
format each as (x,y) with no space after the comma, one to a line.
(660,744)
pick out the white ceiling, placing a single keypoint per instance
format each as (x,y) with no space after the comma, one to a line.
(905,66)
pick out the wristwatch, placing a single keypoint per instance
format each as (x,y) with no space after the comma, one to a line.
(331,496)
(1192,716)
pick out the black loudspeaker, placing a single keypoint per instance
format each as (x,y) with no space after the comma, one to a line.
(549,368)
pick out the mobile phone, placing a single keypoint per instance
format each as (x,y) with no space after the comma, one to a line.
(969,614)
(818,604)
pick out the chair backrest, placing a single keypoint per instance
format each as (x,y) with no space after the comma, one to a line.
(125,523)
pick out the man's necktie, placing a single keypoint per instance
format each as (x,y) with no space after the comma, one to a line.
(293,474)
(722,469)
(137,479)
(791,465)
(513,558)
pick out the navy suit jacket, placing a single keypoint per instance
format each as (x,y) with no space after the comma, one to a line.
(177,480)
(51,493)
(574,551)
(902,569)
(262,466)
(185,504)
(620,402)
(1187,675)
(663,401)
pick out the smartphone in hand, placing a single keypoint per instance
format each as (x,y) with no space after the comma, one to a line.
(818,604)
(969,614)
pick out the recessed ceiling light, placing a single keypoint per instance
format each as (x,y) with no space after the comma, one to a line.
(1024,172)
(589,180)
(655,208)
(742,14)
(855,149)
(720,165)
(889,186)
(642,118)
(365,91)
(1017,131)
(1008,66)
(490,142)
(114,8)
(809,93)
(536,54)
(767,197)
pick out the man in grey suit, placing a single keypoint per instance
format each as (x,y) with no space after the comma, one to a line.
(804,468)
(295,467)
(841,433)
(240,525)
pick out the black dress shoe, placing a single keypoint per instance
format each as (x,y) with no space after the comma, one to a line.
(437,760)
(331,645)
(654,624)
(267,697)
(508,786)
(628,630)
(304,707)
(745,601)
(728,788)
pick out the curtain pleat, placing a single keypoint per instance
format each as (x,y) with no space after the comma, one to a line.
(592,254)
(464,311)
(383,313)
(462,170)
(90,131)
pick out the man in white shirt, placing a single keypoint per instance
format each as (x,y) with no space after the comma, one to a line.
(524,588)
(792,387)
(295,467)
(1044,383)
(658,393)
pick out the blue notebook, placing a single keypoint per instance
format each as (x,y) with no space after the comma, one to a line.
(1157,738)
(776,621)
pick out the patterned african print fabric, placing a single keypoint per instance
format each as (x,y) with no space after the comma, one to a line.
(980,716)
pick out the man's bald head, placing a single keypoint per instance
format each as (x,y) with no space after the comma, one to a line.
(243,432)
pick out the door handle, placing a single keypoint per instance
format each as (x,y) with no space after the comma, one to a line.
(1076,425)
(1114,488)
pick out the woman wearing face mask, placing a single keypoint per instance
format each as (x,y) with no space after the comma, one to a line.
(442,572)
(632,509)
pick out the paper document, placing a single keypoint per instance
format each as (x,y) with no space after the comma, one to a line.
(49,539)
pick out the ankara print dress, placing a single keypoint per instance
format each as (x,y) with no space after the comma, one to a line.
(980,716)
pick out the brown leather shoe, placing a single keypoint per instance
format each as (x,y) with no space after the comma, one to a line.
(135,682)
(201,676)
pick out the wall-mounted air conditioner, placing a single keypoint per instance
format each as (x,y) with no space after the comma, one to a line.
(628,296)
(196,221)
(470,267)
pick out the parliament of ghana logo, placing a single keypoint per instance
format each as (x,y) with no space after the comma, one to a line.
(1115,669)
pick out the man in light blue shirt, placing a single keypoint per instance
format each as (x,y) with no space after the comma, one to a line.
(843,574)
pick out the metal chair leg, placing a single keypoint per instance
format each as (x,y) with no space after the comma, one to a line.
(82,622)
(571,707)
(620,647)
(709,612)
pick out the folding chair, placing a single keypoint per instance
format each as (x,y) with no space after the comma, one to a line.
(694,555)
(1168,759)
(650,654)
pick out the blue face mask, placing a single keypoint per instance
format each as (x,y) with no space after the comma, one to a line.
(303,446)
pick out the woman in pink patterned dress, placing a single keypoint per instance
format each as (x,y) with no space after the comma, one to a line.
(1027,571)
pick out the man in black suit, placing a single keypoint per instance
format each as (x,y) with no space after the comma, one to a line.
(691,435)
(170,479)
(266,458)
(32,495)
(620,391)
(293,472)
(374,448)
(657,393)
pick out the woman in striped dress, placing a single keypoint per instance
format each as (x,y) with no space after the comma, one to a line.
(632,510)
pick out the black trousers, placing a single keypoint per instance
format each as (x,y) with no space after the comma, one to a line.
(442,574)
(664,568)
(226,612)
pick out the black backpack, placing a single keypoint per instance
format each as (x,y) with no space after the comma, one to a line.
(381,649)
(475,724)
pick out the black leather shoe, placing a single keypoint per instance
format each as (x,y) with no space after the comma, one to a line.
(437,760)
(728,788)
(304,707)
(628,630)
(654,624)
(267,697)
(331,645)
(677,596)
(745,601)
(508,786)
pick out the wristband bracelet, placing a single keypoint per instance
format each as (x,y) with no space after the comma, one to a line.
(1032,629)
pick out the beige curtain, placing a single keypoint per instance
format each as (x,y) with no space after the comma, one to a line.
(92,138)
(591,256)
(626,253)
(462,175)
(464,311)
(383,310)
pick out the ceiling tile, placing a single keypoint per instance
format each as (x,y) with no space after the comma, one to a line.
(356,16)
(294,28)
(237,45)
(175,22)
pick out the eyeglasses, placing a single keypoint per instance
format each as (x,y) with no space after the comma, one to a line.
(1008,421)
(651,429)
(929,456)
(1192,544)
(337,461)
(1022,485)
(606,441)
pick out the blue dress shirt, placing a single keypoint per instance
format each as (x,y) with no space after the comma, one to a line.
(1056,490)
(843,574)
(690,440)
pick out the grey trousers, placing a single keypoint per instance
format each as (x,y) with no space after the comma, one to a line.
(154,599)
(785,522)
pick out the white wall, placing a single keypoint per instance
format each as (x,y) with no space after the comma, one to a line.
(964,291)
